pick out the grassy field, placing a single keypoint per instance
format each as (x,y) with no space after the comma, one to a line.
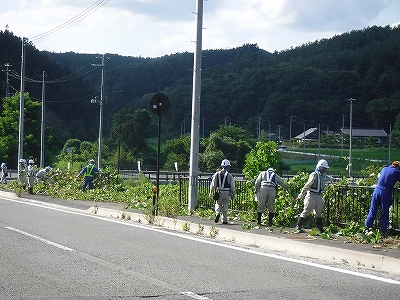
(380,154)
(298,160)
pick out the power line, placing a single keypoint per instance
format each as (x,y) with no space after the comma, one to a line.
(70,100)
(95,6)
(89,96)
(65,78)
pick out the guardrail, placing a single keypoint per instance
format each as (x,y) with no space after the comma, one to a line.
(166,176)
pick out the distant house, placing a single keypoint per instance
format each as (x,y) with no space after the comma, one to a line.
(311,134)
(379,134)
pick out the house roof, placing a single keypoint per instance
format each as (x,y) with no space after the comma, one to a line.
(327,132)
(365,132)
(305,133)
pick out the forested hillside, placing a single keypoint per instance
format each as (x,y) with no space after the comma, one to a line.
(246,86)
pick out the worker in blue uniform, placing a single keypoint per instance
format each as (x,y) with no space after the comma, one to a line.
(89,171)
(382,196)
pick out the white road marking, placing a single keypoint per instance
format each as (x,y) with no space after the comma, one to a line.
(194,296)
(40,239)
(311,264)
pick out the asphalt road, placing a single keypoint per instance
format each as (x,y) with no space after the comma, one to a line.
(57,253)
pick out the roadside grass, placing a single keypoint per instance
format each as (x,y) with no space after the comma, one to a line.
(136,194)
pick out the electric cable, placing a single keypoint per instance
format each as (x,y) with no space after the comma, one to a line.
(14,74)
(70,100)
(92,95)
(95,6)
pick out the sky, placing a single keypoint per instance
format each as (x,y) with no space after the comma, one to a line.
(154,28)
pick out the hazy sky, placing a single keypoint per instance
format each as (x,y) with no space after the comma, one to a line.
(153,28)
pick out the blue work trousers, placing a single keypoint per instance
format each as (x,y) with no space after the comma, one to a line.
(380,198)
(87,181)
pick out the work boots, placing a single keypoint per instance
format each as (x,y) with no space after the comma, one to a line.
(216,220)
(259,215)
(270,218)
(300,221)
(319,225)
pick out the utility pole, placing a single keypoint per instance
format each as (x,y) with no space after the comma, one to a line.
(269,131)
(304,138)
(351,136)
(196,94)
(279,134)
(183,127)
(7,70)
(21,104)
(42,127)
(119,131)
(290,132)
(341,152)
(203,129)
(390,144)
(101,110)
(319,140)
(258,128)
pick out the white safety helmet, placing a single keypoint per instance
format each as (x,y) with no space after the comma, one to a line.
(31,161)
(48,169)
(323,163)
(21,161)
(271,169)
(225,163)
(91,161)
(3,165)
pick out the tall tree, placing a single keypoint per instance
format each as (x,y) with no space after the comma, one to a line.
(9,129)
(230,142)
(264,155)
(178,150)
(129,132)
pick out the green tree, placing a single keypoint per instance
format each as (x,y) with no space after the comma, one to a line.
(396,133)
(178,150)
(9,128)
(134,130)
(130,131)
(230,142)
(265,155)
(76,153)
(329,141)
(384,108)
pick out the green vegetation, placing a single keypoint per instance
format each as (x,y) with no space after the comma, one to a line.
(247,87)
(241,88)
(338,160)
(136,194)
(368,153)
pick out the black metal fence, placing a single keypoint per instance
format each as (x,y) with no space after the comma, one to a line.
(345,205)
(239,203)
(351,203)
